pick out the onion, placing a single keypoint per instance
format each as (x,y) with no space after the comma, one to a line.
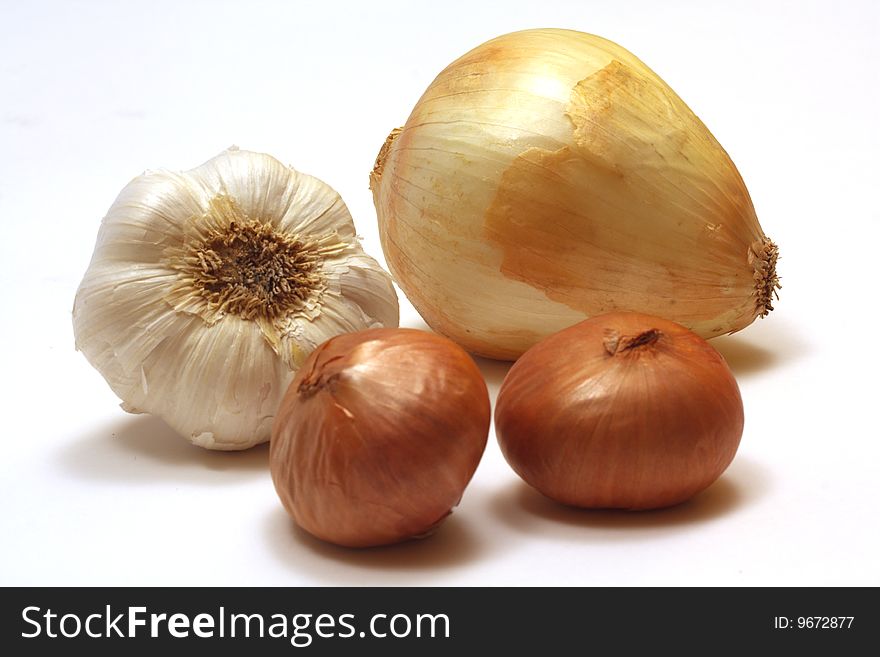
(378,436)
(548,176)
(620,411)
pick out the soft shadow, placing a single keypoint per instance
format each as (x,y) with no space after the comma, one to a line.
(766,344)
(522,508)
(416,323)
(493,371)
(454,544)
(144,448)
(744,357)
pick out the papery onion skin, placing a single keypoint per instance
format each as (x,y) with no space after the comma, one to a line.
(548,176)
(621,411)
(378,436)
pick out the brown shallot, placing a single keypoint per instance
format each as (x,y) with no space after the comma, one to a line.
(378,436)
(620,411)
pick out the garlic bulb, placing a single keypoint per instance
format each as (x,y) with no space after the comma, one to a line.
(549,175)
(208,289)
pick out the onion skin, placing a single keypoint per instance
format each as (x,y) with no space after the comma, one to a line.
(378,436)
(620,411)
(548,176)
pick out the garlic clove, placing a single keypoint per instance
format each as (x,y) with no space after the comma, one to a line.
(369,288)
(142,220)
(261,185)
(313,212)
(222,389)
(363,296)
(128,316)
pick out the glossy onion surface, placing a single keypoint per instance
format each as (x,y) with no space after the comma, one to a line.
(620,411)
(378,436)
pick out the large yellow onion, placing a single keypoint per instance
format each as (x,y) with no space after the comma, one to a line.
(549,175)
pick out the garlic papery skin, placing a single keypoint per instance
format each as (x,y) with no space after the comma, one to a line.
(209,288)
(548,176)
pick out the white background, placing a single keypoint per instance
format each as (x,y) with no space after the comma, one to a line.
(92,94)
